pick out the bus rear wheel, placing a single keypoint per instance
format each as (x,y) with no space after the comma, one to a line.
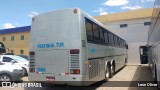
(107,73)
(112,71)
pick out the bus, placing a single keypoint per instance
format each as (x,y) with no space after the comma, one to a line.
(71,47)
(152,49)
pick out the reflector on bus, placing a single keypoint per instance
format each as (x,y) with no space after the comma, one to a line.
(75,71)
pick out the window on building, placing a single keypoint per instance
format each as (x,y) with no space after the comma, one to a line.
(147,23)
(4,39)
(123,25)
(12,38)
(21,52)
(22,37)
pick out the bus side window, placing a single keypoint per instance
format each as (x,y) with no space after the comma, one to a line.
(124,44)
(96,32)
(118,43)
(89,30)
(115,40)
(111,38)
(121,43)
(106,37)
(102,35)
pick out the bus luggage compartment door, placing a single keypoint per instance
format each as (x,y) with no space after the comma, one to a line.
(143,54)
(54,61)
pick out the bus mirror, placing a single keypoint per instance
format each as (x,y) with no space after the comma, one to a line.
(126,46)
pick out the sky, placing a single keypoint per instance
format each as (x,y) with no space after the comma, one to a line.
(19,13)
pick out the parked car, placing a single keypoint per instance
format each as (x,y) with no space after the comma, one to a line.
(24,56)
(16,60)
(10,72)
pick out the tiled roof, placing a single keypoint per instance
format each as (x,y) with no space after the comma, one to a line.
(15,30)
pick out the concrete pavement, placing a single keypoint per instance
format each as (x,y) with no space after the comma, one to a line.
(120,81)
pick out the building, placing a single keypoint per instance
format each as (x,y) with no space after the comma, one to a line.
(132,26)
(16,40)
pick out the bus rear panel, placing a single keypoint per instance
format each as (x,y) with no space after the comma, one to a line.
(70,47)
(55,47)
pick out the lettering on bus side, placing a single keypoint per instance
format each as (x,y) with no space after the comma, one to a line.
(61,44)
(51,45)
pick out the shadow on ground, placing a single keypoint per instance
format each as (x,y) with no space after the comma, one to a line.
(142,75)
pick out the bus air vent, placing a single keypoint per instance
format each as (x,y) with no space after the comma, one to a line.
(74,64)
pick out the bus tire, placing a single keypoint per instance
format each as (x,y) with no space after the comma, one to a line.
(112,72)
(155,74)
(107,73)
(125,61)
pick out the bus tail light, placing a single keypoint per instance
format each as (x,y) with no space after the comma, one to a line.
(31,53)
(74,51)
(75,71)
(66,73)
(31,70)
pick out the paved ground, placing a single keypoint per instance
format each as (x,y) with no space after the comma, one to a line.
(121,81)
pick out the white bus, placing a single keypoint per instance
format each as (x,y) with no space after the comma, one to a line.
(70,47)
(151,53)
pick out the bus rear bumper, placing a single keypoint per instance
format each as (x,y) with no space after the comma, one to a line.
(75,80)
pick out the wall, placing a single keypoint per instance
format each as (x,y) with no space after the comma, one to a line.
(17,44)
(135,35)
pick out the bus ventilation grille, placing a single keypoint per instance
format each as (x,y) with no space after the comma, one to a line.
(74,61)
(93,69)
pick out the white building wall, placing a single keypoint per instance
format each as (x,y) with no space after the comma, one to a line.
(135,34)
